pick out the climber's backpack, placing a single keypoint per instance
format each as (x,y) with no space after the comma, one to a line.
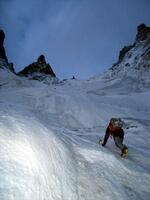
(116,122)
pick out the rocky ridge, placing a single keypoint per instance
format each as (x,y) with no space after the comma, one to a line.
(134,61)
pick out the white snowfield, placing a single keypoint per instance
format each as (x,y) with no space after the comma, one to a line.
(49,142)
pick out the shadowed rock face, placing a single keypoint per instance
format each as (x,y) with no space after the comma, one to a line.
(37,69)
(2,37)
(3,57)
(2,49)
(123,52)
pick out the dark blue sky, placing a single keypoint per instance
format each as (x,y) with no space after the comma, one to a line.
(78,37)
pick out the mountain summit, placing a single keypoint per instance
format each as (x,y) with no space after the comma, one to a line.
(38,70)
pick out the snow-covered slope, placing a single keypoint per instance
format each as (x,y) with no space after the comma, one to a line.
(49,150)
(6,76)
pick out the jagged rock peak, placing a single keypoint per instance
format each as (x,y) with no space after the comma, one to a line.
(41,59)
(142,32)
(2,49)
(38,69)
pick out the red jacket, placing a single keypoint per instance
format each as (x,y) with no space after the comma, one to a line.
(114,131)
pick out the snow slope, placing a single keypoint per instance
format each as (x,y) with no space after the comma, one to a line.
(49,142)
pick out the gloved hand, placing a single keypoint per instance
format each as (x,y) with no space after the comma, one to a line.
(103,144)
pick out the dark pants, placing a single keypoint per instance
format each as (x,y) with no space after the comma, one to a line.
(119,142)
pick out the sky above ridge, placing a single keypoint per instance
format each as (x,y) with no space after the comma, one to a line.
(80,38)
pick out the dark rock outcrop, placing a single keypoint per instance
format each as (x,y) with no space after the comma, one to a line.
(41,59)
(123,52)
(142,32)
(2,49)
(38,70)
(3,57)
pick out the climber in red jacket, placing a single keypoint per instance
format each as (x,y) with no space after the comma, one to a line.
(115,130)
